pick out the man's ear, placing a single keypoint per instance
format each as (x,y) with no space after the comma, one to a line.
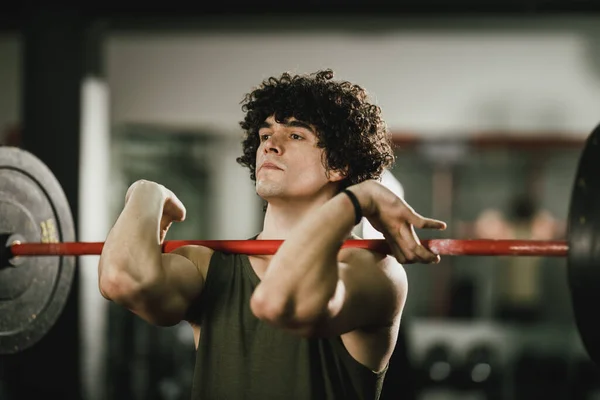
(336,175)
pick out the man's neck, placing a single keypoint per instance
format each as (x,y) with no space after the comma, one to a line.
(282,216)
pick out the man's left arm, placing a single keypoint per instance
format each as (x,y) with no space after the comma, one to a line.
(312,288)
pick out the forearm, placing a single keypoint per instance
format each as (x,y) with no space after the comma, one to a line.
(131,255)
(302,280)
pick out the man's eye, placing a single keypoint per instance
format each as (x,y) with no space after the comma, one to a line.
(296,137)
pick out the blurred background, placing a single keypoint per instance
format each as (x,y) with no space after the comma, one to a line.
(489,111)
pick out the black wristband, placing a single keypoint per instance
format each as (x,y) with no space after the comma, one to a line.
(357,209)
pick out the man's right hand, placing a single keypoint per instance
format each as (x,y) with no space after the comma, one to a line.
(396,220)
(173,209)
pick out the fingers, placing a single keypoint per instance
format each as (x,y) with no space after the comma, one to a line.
(165,223)
(397,252)
(421,222)
(397,221)
(411,247)
(175,209)
(417,219)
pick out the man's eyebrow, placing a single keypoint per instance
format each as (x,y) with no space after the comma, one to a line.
(300,124)
(289,124)
(265,124)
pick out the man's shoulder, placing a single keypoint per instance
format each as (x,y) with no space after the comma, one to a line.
(359,257)
(201,256)
(363,253)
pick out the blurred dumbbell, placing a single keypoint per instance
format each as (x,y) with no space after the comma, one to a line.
(481,370)
(437,367)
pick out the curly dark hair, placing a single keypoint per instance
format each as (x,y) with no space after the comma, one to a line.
(349,127)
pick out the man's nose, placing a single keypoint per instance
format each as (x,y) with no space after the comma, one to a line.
(273,145)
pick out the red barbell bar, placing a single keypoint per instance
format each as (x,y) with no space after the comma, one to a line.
(448,247)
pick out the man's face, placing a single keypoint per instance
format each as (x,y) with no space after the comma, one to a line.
(288,162)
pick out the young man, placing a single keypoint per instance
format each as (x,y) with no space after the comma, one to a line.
(312,321)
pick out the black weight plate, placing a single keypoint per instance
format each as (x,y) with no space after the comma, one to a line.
(33,292)
(584,246)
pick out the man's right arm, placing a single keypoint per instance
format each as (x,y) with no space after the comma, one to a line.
(134,273)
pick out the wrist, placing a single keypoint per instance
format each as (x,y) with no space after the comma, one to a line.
(145,199)
(146,189)
(364,197)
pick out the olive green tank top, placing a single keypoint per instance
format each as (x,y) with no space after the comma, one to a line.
(240,357)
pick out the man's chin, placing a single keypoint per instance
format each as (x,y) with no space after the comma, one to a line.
(268,190)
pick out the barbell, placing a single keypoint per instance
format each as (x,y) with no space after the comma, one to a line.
(37,260)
